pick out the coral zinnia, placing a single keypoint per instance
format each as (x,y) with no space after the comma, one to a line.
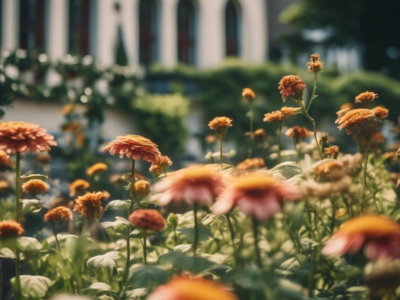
(59,214)
(149,219)
(35,186)
(195,184)
(256,194)
(22,137)
(134,146)
(78,185)
(379,236)
(292,86)
(97,169)
(185,288)
(10,229)
(274,117)
(248,94)
(89,205)
(251,163)
(366,97)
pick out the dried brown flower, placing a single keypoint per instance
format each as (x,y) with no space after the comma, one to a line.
(97,169)
(366,97)
(164,161)
(149,219)
(10,229)
(35,186)
(332,151)
(292,86)
(315,65)
(78,185)
(251,163)
(58,214)
(328,171)
(89,205)
(248,94)
(156,170)
(297,132)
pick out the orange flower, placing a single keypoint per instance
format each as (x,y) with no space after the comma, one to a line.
(142,188)
(289,112)
(251,163)
(274,117)
(328,171)
(5,159)
(195,184)
(358,116)
(97,169)
(35,186)
(10,229)
(22,137)
(149,219)
(248,94)
(292,86)
(210,138)
(59,214)
(184,288)
(218,122)
(4,185)
(156,170)
(379,236)
(164,161)
(89,205)
(315,65)
(134,146)
(260,133)
(256,194)
(78,185)
(366,97)
(297,132)
(332,151)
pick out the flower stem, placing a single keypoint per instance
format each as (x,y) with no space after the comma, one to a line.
(257,249)
(55,237)
(301,103)
(313,92)
(133,194)
(364,179)
(17,185)
(196,229)
(232,233)
(333,216)
(297,151)
(145,248)
(278,132)
(17,277)
(128,255)
(251,119)
(220,149)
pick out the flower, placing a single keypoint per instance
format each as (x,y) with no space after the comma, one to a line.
(35,186)
(60,214)
(89,205)
(10,229)
(256,194)
(164,161)
(332,151)
(297,133)
(248,94)
(142,188)
(97,169)
(134,146)
(149,219)
(5,159)
(156,170)
(185,288)
(219,122)
(195,184)
(260,133)
(315,65)
(379,236)
(251,163)
(358,116)
(292,86)
(79,185)
(289,112)
(4,185)
(210,138)
(274,117)
(366,97)
(22,137)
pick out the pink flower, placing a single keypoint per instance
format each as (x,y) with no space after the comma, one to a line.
(256,194)
(379,236)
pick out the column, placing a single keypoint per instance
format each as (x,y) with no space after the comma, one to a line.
(57,29)
(10,24)
(130,29)
(168,33)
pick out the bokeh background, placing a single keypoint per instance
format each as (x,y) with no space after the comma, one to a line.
(88,70)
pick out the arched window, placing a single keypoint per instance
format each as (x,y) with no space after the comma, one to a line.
(232,33)
(31,24)
(148,32)
(186,32)
(79,15)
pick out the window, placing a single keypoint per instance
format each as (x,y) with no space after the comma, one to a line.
(186,32)
(232,29)
(31,24)
(148,32)
(79,12)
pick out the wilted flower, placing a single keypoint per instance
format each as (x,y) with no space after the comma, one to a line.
(5,159)
(315,65)
(292,86)
(297,133)
(195,184)
(378,235)
(10,229)
(185,288)
(332,151)
(134,146)
(35,186)
(256,194)
(248,94)
(78,186)
(149,219)
(366,97)
(89,205)
(260,134)
(21,137)
(97,169)
(142,188)
(58,214)
(251,163)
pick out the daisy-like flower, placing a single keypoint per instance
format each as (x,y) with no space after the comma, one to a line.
(134,146)
(78,186)
(297,133)
(5,159)
(366,97)
(142,188)
(58,214)
(195,184)
(185,288)
(292,86)
(10,229)
(378,235)
(332,151)
(97,168)
(248,94)
(251,163)
(35,186)
(22,137)
(315,65)
(358,116)
(149,219)
(256,194)
(89,205)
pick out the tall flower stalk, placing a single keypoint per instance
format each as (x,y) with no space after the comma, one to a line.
(17,185)
(221,126)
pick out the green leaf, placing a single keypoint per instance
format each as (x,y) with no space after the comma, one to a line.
(136,293)
(119,205)
(204,233)
(104,261)
(287,169)
(31,205)
(138,234)
(146,276)
(33,176)
(247,279)
(27,244)
(33,287)
(193,264)
(100,286)
(119,223)
(7,253)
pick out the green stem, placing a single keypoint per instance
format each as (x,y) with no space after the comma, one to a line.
(313,92)
(301,103)
(232,233)
(257,249)
(128,256)
(55,237)
(175,237)
(17,278)
(17,185)
(196,229)
(278,132)
(220,149)
(133,194)
(312,274)
(145,248)
(251,119)
(308,208)
(364,179)
(333,216)
(297,151)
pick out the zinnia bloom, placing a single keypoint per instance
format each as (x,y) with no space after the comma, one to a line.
(358,116)
(35,186)
(149,219)
(274,117)
(184,288)
(5,159)
(195,184)
(156,170)
(164,161)
(142,188)
(379,236)
(251,163)
(256,194)
(97,169)
(10,229)
(248,94)
(89,205)
(59,214)
(78,185)
(22,137)
(297,132)
(332,151)
(289,112)
(315,65)
(219,122)
(366,97)
(292,86)
(134,146)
